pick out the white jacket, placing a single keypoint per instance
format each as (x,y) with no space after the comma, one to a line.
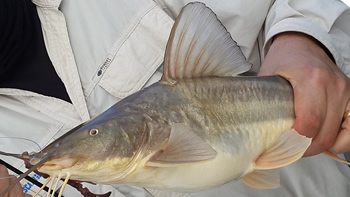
(105,50)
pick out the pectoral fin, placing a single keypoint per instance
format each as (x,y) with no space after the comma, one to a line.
(263,179)
(288,148)
(183,147)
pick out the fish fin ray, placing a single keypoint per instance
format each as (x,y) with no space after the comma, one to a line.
(191,53)
(56,185)
(288,148)
(42,187)
(183,147)
(263,179)
(335,157)
(64,184)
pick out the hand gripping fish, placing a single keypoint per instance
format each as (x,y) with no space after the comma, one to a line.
(197,128)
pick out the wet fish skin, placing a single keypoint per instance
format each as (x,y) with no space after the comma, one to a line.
(214,105)
(219,110)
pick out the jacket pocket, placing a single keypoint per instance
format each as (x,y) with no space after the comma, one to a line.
(137,54)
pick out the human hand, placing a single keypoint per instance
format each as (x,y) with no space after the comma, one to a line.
(5,182)
(321,90)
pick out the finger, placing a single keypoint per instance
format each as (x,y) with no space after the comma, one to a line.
(3,172)
(329,131)
(311,115)
(4,180)
(17,189)
(342,143)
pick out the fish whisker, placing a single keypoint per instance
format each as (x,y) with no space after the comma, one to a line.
(47,182)
(54,189)
(51,184)
(64,184)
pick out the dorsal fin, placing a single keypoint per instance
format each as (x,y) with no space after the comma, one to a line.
(199,45)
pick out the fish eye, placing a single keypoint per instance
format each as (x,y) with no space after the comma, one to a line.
(93,132)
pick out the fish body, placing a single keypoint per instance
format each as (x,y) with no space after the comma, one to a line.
(199,127)
(238,117)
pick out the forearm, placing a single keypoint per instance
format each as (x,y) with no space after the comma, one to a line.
(294,44)
(328,27)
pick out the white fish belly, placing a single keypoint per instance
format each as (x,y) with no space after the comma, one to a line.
(228,165)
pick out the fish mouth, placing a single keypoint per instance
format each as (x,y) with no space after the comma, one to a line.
(57,164)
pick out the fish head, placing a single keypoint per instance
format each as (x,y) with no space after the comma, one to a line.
(104,145)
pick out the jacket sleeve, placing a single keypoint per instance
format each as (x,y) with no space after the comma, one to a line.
(325,20)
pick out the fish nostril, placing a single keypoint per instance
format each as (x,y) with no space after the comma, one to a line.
(93,132)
